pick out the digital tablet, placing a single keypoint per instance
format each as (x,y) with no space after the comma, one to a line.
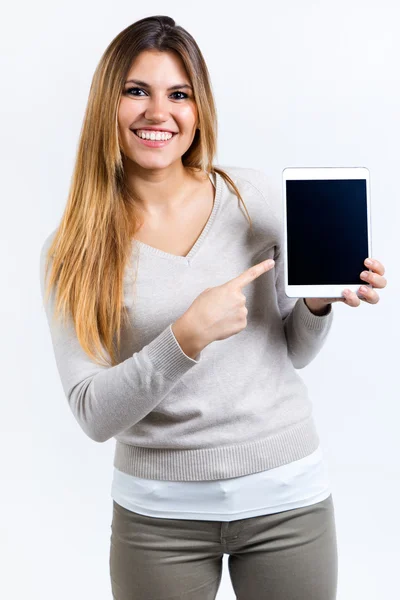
(327,233)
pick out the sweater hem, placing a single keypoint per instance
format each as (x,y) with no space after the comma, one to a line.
(207,464)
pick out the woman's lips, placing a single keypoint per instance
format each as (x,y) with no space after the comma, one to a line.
(153,143)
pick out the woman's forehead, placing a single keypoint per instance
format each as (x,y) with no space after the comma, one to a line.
(150,63)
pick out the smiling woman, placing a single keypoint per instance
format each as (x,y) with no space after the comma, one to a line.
(217,451)
(151,77)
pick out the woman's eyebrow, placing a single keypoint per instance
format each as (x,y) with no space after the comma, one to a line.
(174,87)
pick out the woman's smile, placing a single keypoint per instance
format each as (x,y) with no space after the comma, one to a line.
(153,143)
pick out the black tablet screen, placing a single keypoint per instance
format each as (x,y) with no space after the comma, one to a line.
(327,231)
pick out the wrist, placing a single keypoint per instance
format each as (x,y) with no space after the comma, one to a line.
(318,307)
(186,337)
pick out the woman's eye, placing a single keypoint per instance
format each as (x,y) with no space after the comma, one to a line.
(183,94)
(136,89)
(129,90)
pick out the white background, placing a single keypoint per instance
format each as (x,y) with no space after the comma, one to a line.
(296,84)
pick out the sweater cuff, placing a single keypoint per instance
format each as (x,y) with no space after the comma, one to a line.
(311,321)
(167,357)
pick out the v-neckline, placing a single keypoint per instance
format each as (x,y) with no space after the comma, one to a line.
(147,249)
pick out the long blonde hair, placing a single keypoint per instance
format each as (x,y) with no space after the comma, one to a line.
(93,242)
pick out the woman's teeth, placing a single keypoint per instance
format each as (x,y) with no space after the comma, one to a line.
(154,135)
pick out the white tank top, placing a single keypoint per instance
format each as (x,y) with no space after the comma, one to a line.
(299,483)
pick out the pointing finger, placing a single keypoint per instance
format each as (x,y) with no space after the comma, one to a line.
(250,274)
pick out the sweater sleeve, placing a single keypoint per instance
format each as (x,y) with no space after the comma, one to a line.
(305,332)
(107,400)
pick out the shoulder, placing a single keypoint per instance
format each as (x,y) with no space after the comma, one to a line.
(249,174)
(46,243)
(255,184)
(254,178)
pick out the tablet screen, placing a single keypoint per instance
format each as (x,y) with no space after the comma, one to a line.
(327,231)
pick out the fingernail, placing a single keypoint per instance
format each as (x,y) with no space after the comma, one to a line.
(368,262)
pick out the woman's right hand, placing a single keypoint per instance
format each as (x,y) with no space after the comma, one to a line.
(220,312)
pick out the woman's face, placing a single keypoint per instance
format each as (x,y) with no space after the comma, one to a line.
(152,104)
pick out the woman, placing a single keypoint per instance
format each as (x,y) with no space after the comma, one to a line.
(187,356)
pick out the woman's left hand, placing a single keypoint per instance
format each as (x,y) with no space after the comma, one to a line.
(374,277)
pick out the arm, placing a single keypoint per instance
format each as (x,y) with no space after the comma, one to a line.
(306,326)
(305,331)
(317,306)
(186,338)
(107,400)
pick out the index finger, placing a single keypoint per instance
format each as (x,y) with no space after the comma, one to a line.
(252,273)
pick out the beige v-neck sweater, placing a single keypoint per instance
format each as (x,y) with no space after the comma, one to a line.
(240,407)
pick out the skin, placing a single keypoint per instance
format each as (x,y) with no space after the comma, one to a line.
(157,175)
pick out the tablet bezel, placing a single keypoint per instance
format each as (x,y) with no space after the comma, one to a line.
(297,173)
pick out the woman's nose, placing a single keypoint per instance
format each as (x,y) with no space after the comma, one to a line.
(156,108)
